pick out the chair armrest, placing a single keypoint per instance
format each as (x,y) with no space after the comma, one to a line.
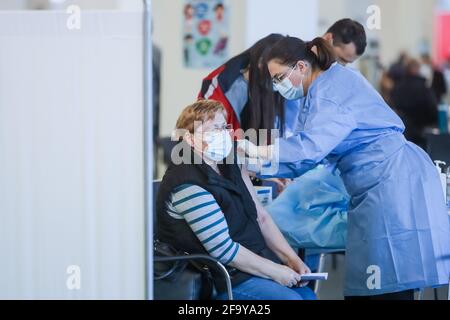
(302,253)
(217,264)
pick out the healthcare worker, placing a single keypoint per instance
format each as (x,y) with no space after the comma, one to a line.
(348,39)
(398,231)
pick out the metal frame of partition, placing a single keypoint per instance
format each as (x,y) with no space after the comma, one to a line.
(148,148)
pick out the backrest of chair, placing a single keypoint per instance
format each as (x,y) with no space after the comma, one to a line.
(156,185)
(167,145)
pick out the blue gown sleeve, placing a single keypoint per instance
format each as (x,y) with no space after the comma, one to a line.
(286,170)
(327,125)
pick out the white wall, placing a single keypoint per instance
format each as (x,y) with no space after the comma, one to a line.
(83,4)
(406,25)
(71,155)
(123,5)
(13,4)
(298,18)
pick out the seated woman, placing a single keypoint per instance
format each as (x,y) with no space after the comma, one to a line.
(207,205)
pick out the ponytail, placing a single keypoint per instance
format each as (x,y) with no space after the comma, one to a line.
(323,53)
(289,50)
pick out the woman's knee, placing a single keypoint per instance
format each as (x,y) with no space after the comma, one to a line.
(264,289)
(270,290)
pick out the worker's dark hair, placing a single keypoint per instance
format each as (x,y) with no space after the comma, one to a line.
(265,107)
(290,50)
(347,31)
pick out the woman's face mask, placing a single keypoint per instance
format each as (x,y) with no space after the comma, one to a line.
(213,139)
(219,145)
(284,86)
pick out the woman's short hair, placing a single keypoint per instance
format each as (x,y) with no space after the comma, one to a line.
(200,111)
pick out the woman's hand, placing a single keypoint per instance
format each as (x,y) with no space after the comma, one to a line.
(285,276)
(300,267)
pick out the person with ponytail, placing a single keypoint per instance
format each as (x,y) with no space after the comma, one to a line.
(398,233)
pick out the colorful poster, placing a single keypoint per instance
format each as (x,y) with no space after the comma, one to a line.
(442,37)
(205,33)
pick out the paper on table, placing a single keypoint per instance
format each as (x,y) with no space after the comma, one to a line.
(314,276)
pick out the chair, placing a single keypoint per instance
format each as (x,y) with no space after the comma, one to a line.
(163,287)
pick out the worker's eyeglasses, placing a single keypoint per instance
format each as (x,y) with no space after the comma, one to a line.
(278,79)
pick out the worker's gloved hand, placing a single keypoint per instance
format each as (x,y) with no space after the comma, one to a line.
(253,151)
(250,149)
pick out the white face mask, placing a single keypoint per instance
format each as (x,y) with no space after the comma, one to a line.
(288,90)
(219,145)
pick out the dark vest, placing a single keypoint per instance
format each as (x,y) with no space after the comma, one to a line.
(232,196)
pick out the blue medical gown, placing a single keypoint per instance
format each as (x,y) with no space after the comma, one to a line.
(291,116)
(312,211)
(398,230)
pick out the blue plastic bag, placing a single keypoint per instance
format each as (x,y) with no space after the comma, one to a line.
(312,211)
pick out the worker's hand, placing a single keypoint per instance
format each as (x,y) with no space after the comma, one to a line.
(286,276)
(300,267)
(281,183)
(250,149)
(253,151)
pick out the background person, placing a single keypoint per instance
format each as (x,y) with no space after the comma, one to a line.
(415,103)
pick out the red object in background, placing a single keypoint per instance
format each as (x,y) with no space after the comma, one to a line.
(204,27)
(442,37)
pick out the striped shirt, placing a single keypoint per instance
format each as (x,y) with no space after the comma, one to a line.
(202,213)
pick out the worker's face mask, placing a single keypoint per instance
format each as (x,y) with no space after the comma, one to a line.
(287,89)
(219,145)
